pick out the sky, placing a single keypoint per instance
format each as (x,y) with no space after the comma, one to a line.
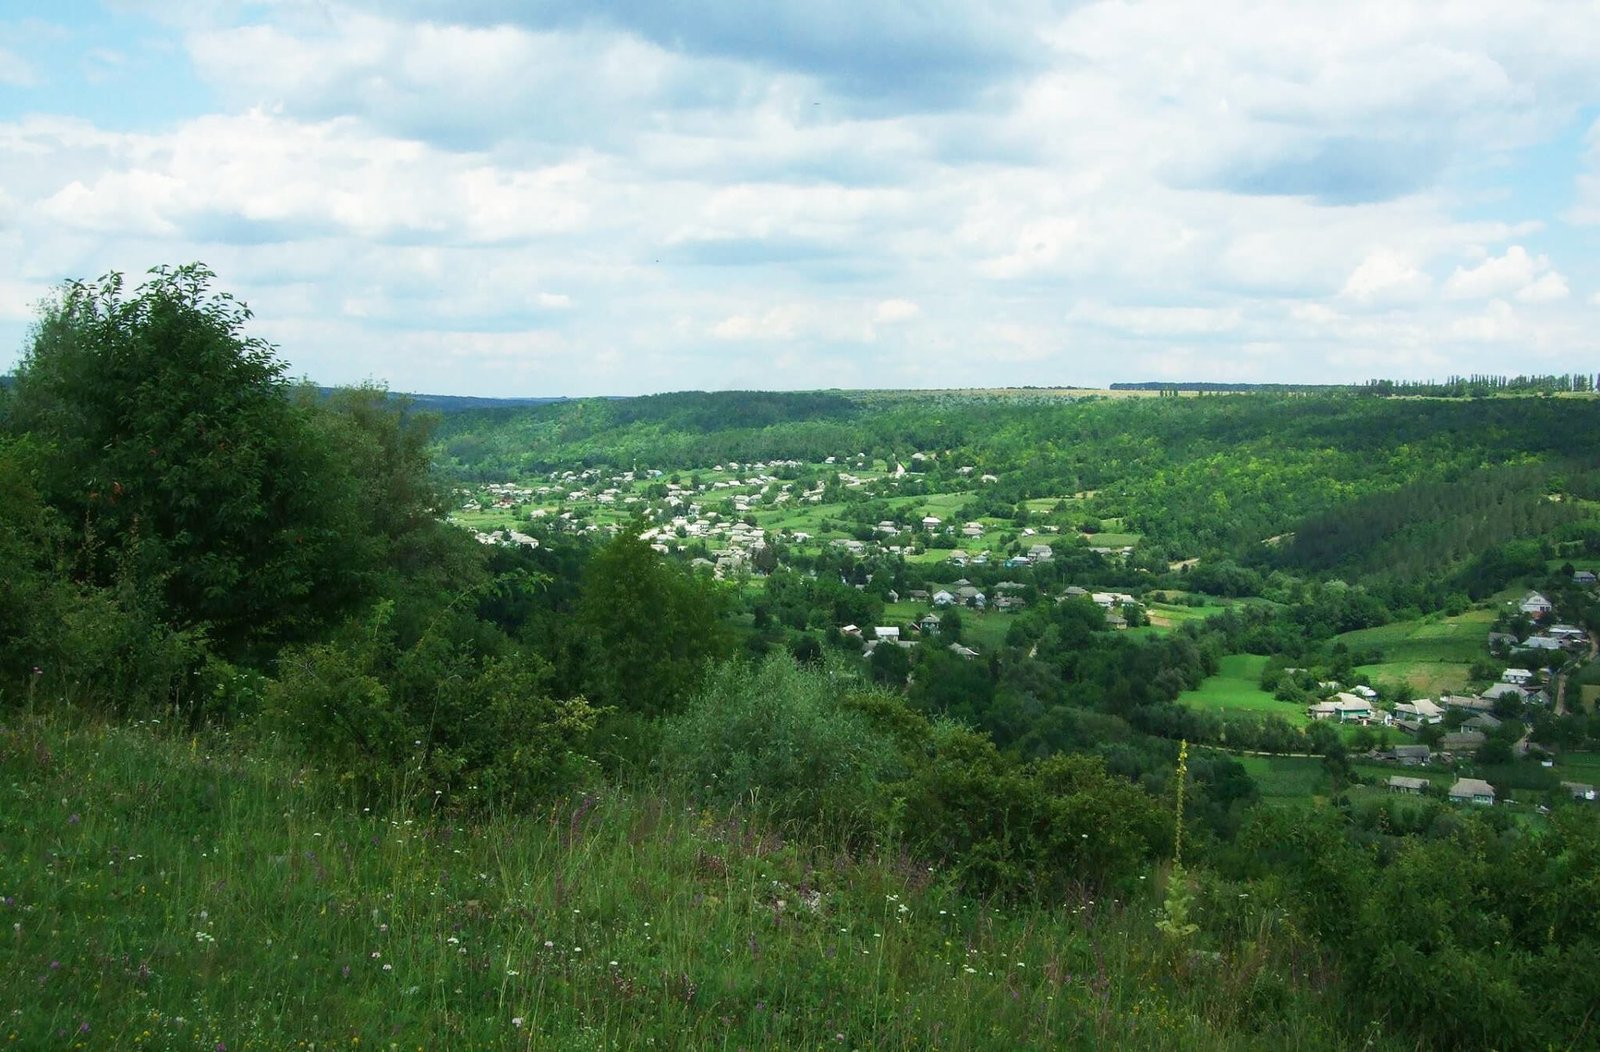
(544,197)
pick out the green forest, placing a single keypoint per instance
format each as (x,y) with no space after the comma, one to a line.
(848,719)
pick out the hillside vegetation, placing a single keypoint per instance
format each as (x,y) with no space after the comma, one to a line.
(780,720)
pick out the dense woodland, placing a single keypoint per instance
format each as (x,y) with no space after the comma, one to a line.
(188,538)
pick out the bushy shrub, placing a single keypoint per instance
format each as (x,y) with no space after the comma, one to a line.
(1034,830)
(787,738)
(436,720)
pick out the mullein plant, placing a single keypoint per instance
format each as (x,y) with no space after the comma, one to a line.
(1174,922)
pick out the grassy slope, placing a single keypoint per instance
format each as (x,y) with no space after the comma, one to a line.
(1433,655)
(166,894)
(1236,690)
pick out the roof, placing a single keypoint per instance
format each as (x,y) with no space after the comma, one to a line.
(1397,781)
(1472,787)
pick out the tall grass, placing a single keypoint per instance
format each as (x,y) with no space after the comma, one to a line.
(164,893)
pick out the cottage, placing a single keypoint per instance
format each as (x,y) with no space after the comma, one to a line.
(964,652)
(1411,755)
(1541,643)
(1462,741)
(1345,708)
(889,632)
(1535,605)
(930,522)
(1583,577)
(1420,711)
(1472,791)
(1409,786)
(1517,677)
(929,623)
(943,598)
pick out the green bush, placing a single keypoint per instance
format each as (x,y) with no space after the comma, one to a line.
(434,720)
(787,738)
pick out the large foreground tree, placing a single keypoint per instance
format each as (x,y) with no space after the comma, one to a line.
(173,444)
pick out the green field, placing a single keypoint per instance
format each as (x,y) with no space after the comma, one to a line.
(1432,655)
(1236,691)
(1285,778)
(1579,767)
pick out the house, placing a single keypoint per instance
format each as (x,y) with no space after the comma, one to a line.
(889,632)
(1462,741)
(1041,552)
(1483,721)
(1472,791)
(961,651)
(1116,621)
(851,630)
(1362,691)
(1535,605)
(1345,708)
(1411,755)
(1518,677)
(1541,643)
(1493,694)
(1579,790)
(1419,712)
(1409,786)
(1583,577)
(1501,641)
(929,623)
(943,598)
(1567,633)
(1074,592)
(930,522)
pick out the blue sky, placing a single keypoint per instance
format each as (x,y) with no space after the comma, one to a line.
(627,196)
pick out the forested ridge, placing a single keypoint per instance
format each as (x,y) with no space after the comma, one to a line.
(569,786)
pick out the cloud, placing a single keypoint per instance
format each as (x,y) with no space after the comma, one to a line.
(1385,277)
(890,312)
(1516,273)
(16,71)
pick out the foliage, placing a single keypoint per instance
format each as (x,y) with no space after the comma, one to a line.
(647,629)
(169,434)
(784,739)
(432,721)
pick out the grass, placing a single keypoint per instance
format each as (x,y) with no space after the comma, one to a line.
(1287,778)
(165,893)
(1432,655)
(1236,691)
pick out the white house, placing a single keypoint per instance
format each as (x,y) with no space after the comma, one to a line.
(1519,677)
(1535,605)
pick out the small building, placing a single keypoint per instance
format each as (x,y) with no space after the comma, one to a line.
(1412,755)
(1583,577)
(944,598)
(929,623)
(1462,741)
(1421,711)
(1517,677)
(1472,791)
(963,652)
(889,632)
(1579,790)
(1535,605)
(1409,786)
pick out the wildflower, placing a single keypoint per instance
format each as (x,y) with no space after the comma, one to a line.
(388,967)
(549,945)
(73,819)
(516,1021)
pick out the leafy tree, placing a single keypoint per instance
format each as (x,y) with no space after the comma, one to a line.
(646,629)
(171,436)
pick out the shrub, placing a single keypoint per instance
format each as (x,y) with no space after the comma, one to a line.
(785,737)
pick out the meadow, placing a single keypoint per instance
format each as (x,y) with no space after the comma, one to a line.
(1433,655)
(184,893)
(1236,691)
